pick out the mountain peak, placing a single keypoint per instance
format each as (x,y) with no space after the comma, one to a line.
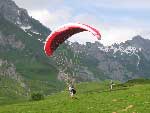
(8,2)
(19,16)
(11,12)
(137,38)
(139,42)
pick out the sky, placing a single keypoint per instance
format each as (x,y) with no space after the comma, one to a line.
(117,20)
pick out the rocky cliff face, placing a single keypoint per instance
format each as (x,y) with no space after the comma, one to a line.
(8,75)
(24,68)
(10,11)
(119,61)
(19,16)
(11,40)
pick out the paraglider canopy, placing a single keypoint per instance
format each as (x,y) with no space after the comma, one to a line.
(64,32)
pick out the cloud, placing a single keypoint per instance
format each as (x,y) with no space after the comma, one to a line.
(121,4)
(117,20)
(132,4)
(117,34)
(51,13)
(38,4)
(111,35)
(52,19)
(111,32)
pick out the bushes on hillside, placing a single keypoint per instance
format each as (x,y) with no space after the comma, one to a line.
(37,96)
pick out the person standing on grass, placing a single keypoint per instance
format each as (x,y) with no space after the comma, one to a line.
(72,90)
(111,84)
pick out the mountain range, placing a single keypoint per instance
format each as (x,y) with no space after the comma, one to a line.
(24,67)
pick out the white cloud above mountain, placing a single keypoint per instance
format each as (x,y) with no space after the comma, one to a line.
(117,20)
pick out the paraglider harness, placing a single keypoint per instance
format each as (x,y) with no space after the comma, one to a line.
(73,91)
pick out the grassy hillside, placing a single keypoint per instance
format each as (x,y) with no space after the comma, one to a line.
(30,62)
(91,98)
(11,91)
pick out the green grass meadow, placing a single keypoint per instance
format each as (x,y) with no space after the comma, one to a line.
(92,97)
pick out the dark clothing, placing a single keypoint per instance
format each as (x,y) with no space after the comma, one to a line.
(73,91)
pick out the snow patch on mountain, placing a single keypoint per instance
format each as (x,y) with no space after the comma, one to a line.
(129,50)
(138,62)
(40,40)
(126,50)
(29,34)
(25,28)
(18,22)
(18,12)
(36,33)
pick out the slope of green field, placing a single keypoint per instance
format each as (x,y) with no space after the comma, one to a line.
(29,63)
(91,98)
